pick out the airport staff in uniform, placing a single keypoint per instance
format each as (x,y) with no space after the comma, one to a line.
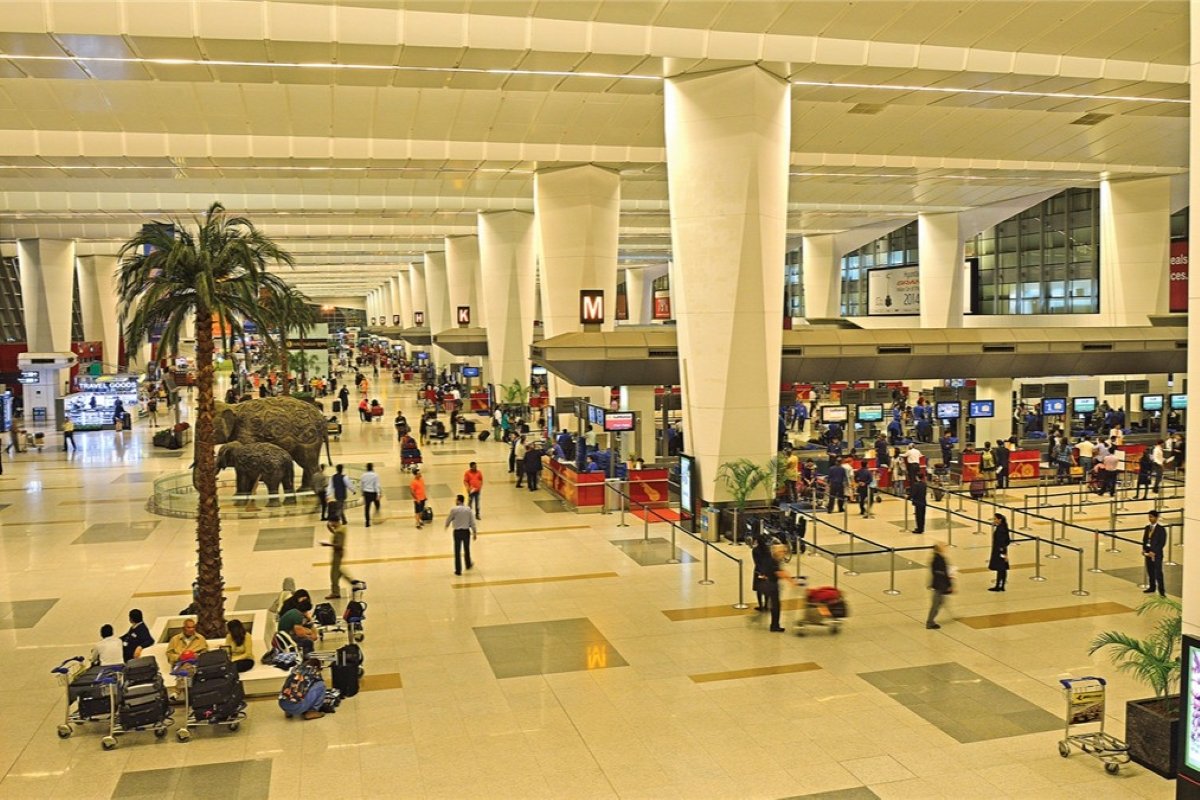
(916,494)
(1154,540)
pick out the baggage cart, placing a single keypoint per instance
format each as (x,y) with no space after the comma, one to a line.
(185,673)
(823,607)
(109,679)
(1085,706)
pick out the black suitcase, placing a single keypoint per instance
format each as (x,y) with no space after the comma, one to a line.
(345,679)
(337,406)
(141,670)
(427,514)
(349,655)
(143,712)
(84,683)
(483,437)
(95,703)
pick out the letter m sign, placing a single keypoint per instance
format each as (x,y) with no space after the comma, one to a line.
(591,306)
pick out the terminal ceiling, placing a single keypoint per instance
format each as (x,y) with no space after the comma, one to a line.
(360,153)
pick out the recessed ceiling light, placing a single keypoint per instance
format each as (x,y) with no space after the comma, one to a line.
(892,87)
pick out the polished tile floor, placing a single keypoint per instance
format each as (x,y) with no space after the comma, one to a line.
(572,662)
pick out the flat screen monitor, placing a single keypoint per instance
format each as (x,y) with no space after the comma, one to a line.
(618,421)
(551,421)
(981,409)
(1083,405)
(1189,712)
(1152,402)
(1178,402)
(422,356)
(687,475)
(595,415)
(538,370)
(834,414)
(1054,406)
(870,413)
(948,410)
(470,372)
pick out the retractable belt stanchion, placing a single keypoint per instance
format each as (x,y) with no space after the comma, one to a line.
(1080,591)
(741,603)
(1037,559)
(1096,553)
(706,581)
(892,590)
(1170,562)
(673,559)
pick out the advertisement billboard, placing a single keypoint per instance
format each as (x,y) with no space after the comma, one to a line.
(1178,276)
(894,291)
(618,421)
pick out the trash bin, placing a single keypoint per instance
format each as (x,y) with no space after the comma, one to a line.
(710,523)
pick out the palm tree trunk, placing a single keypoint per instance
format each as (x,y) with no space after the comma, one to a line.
(211,600)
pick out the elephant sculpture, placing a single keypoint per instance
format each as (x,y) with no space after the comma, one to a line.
(294,425)
(258,461)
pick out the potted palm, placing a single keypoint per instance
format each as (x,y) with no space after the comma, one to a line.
(1151,724)
(741,478)
(208,277)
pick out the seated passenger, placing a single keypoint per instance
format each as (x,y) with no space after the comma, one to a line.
(185,646)
(241,646)
(137,637)
(107,651)
(294,622)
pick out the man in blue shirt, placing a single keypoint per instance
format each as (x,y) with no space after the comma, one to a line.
(836,479)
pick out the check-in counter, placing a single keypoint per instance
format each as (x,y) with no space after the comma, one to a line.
(584,491)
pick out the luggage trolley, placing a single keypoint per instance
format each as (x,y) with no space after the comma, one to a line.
(194,717)
(1085,706)
(104,680)
(824,607)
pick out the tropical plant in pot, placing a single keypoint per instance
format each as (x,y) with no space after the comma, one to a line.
(1151,724)
(742,478)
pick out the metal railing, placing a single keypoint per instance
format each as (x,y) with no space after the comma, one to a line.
(175,495)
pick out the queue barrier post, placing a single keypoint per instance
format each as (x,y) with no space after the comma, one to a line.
(1096,553)
(851,572)
(741,603)
(905,502)
(892,590)
(646,524)
(622,523)
(1112,543)
(949,528)
(673,559)
(706,581)
(978,516)
(1080,591)
(1053,549)
(1037,559)
(1026,511)
(1170,562)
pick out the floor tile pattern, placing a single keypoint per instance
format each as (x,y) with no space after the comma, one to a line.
(542,648)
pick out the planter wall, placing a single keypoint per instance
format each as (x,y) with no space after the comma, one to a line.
(1152,733)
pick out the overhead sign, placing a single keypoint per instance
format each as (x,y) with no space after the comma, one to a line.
(28,376)
(591,306)
(662,304)
(464,315)
(1178,282)
(894,291)
(418,319)
(396,319)
(1114,387)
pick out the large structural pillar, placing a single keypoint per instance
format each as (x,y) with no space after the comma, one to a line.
(577,212)
(404,283)
(822,277)
(939,237)
(1135,243)
(462,277)
(394,315)
(437,292)
(507,263)
(98,304)
(47,290)
(639,292)
(1191,504)
(420,295)
(728,137)
(639,443)
(999,427)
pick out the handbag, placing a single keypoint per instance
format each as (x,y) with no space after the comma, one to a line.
(762,584)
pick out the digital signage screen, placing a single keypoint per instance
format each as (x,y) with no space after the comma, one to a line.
(1054,406)
(422,356)
(1178,402)
(870,413)
(948,410)
(1189,712)
(618,421)
(834,414)
(538,370)
(470,372)
(595,415)
(1083,405)
(981,409)
(687,475)
(1152,402)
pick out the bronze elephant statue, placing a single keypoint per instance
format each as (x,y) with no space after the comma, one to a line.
(259,461)
(294,425)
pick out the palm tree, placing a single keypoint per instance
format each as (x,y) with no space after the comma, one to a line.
(286,308)
(171,277)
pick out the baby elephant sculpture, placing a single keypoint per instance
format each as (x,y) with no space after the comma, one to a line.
(259,461)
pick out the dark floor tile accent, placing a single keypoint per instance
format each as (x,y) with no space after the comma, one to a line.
(440,490)
(292,537)
(962,703)
(551,506)
(108,532)
(931,522)
(237,780)
(23,614)
(874,562)
(542,648)
(651,552)
(1137,575)
(857,793)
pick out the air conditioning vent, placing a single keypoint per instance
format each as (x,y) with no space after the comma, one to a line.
(897,350)
(1091,119)
(999,348)
(1181,346)
(1094,347)
(868,108)
(663,353)
(793,351)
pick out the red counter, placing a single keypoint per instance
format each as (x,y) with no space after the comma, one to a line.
(1024,465)
(584,491)
(479,401)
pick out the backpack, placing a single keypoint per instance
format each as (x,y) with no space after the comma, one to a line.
(324,614)
(987,460)
(356,610)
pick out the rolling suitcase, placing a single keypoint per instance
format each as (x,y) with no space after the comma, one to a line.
(141,670)
(978,489)
(142,707)
(346,665)
(337,406)
(94,703)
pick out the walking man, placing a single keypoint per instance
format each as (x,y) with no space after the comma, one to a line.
(462,522)
(416,488)
(337,541)
(341,490)
(473,483)
(1154,541)
(68,434)
(533,465)
(912,462)
(369,483)
(320,487)
(941,584)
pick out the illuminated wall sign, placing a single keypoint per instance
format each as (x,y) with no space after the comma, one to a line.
(27,376)
(464,315)
(591,306)
(418,318)
(396,319)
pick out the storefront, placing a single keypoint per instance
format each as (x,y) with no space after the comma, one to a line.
(93,404)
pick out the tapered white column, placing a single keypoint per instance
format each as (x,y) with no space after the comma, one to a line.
(999,427)
(639,443)
(577,212)
(371,315)
(1191,504)
(394,316)
(822,276)
(47,291)
(420,294)
(98,304)
(437,290)
(639,292)
(404,284)
(462,277)
(507,262)
(1135,243)
(939,238)
(728,135)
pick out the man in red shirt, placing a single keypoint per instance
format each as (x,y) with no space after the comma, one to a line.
(417,489)
(473,483)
